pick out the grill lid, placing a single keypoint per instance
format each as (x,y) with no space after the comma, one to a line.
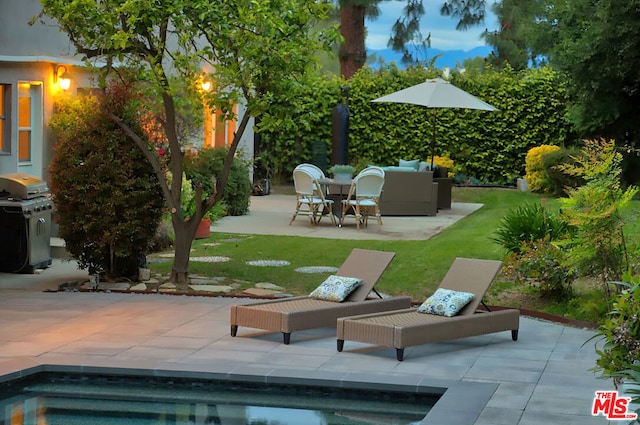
(23,186)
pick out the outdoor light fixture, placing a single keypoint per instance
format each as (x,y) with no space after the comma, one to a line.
(62,77)
(206,85)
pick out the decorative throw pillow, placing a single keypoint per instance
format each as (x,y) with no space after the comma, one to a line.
(413,164)
(424,166)
(335,288)
(446,302)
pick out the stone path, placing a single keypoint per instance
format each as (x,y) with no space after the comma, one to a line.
(201,284)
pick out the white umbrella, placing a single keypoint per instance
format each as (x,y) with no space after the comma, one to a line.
(436,93)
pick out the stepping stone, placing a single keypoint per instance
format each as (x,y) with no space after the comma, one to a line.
(139,287)
(211,288)
(113,286)
(268,263)
(152,281)
(202,280)
(260,292)
(214,259)
(168,285)
(317,269)
(267,285)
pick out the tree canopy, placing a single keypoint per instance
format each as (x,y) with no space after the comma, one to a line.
(248,49)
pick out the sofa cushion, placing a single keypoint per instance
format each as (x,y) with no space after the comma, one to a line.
(413,163)
(396,168)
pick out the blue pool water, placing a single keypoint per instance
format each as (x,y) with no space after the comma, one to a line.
(70,399)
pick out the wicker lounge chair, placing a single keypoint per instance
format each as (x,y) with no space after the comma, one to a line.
(298,313)
(408,327)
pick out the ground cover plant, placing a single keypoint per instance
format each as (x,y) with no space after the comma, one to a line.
(419,265)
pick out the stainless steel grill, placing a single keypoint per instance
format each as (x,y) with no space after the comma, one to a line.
(25,223)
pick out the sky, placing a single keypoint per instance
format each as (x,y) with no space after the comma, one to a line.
(444,35)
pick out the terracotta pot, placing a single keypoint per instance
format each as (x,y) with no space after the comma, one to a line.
(204,229)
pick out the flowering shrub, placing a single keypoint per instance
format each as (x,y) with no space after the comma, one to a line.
(541,264)
(620,354)
(536,175)
(445,161)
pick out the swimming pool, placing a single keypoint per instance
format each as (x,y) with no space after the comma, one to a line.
(80,398)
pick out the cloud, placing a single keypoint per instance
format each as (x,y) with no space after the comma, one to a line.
(443,31)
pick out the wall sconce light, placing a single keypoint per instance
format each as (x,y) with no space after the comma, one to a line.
(206,85)
(62,77)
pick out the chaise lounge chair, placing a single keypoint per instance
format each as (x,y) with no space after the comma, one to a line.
(408,327)
(298,313)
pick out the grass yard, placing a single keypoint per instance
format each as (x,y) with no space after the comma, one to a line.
(416,270)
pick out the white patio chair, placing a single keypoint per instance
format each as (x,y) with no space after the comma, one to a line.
(364,197)
(310,199)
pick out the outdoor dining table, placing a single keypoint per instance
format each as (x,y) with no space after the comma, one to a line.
(336,190)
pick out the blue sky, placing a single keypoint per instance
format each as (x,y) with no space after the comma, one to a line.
(444,35)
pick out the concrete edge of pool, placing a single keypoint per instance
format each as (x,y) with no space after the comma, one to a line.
(460,403)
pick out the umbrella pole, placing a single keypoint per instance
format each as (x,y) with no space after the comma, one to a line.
(433,141)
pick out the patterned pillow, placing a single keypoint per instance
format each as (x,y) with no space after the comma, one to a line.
(445,302)
(335,288)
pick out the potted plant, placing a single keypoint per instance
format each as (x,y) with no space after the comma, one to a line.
(188,207)
(342,172)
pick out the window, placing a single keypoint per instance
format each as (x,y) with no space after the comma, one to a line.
(5,124)
(24,122)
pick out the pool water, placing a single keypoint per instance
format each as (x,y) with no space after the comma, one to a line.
(69,399)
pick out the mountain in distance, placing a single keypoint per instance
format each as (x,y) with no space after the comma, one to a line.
(449,58)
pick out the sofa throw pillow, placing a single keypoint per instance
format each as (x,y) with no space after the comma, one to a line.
(335,288)
(413,164)
(446,302)
(424,166)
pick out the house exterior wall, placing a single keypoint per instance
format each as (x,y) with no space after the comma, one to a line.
(30,54)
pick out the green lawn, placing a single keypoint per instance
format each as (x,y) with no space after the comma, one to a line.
(416,270)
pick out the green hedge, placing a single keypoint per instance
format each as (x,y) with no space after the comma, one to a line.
(489,146)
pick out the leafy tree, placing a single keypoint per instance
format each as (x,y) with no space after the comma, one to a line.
(597,43)
(249,50)
(353,53)
(509,46)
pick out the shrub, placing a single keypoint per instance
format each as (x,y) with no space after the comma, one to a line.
(536,174)
(618,358)
(541,264)
(528,223)
(445,161)
(208,163)
(598,211)
(108,200)
(559,180)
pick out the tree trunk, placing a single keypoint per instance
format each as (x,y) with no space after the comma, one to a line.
(184,235)
(353,53)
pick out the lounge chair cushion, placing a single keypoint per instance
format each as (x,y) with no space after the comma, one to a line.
(446,302)
(335,288)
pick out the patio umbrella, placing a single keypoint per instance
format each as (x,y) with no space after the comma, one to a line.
(436,93)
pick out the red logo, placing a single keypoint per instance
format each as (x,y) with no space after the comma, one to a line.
(611,406)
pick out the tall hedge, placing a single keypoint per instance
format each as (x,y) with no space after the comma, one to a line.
(489,146)
(107,199)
